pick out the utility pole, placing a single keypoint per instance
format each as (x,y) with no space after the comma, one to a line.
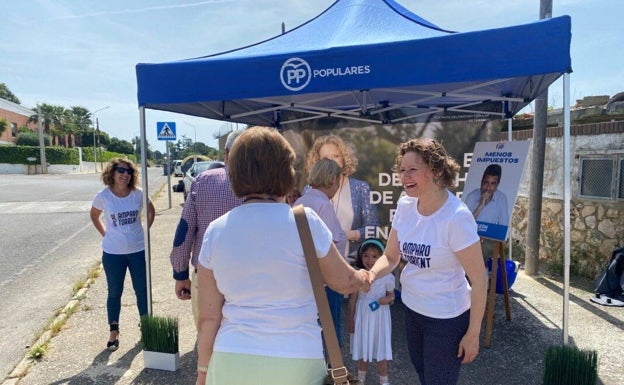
(538,151)
(42,154)
(97,133)
(97,125)
(95,130)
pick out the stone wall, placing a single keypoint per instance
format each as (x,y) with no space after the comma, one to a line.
(596,226)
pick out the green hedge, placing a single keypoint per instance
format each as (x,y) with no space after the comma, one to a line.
(54,155)
(104,156)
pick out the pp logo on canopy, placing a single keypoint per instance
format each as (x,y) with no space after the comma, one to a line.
(295,74)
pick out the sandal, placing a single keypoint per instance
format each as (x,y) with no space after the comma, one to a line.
(113,345)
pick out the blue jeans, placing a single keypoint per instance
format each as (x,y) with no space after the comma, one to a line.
(432,344)
(335,306)
(115,266)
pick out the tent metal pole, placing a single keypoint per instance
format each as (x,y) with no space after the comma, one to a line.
(566,206)
(510,139)
(146,232)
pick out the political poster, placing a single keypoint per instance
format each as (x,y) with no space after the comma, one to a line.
(492,185)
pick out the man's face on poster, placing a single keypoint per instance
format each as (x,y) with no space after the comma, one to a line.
(489,184)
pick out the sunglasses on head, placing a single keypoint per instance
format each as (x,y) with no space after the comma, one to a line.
(123,170)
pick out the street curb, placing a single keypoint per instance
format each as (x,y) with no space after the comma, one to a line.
(24,366)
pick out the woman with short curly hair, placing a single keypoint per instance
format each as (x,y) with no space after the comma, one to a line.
(444,281)
(123,244)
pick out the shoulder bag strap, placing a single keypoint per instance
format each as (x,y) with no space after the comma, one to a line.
(338,371)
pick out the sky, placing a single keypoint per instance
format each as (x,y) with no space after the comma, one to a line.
(84,52)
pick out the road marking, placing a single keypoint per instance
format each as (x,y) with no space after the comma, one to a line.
(41,257)
(45,207)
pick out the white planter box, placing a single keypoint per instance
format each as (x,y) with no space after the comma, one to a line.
(162,361)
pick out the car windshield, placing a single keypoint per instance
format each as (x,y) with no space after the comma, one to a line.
(203,166)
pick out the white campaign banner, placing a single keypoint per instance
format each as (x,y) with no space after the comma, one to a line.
(492,185)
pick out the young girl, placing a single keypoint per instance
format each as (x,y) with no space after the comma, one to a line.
(369,316)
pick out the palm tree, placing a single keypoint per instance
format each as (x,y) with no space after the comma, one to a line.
(76,120)
(52,120)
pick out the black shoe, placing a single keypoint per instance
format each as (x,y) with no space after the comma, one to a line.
(113,345)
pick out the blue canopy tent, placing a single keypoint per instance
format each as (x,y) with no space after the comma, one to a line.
(369,61)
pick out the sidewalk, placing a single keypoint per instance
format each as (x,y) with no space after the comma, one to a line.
(77,355)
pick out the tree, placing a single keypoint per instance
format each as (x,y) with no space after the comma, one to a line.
(31,139)
(120,146)
(3,125)
(75,121)
(6,94)
(52,117)
(136,141)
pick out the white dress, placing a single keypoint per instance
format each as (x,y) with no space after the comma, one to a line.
(372,335)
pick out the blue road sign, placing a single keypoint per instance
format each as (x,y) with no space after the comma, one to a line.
(166,130)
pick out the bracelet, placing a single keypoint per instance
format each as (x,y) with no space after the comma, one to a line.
(202,369)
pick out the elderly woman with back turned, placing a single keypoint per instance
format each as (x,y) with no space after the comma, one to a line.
(257,314)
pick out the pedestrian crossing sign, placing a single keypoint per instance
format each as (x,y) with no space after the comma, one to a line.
(166,130)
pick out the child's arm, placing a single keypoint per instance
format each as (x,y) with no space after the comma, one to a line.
(352,301)
(388,299)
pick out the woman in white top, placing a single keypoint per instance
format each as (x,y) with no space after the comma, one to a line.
(258,321)
(123,246)
(436,234)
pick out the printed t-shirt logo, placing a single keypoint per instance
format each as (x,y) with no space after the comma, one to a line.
(416,254)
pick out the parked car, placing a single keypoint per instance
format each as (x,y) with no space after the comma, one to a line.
(177,168)
(196,169)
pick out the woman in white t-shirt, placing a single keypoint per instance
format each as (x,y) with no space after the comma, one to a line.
(123,246)
(436,234)
(258,321)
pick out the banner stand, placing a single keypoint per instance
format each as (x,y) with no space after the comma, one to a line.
(498,255)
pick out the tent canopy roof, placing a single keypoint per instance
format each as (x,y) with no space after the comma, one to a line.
(365,60)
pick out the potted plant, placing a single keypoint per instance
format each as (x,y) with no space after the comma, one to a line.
(568,365)
(159,337)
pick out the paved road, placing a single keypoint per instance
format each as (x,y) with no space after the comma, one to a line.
(48,245)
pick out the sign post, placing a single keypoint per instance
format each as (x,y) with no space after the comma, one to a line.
(167,131)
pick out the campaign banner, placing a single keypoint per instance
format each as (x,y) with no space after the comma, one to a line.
(492,185)
(375,147)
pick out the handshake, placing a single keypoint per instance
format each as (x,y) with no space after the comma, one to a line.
(366,279)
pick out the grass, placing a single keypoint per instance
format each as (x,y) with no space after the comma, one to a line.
(159,334)
(38,351)
(567,365)
(56,325)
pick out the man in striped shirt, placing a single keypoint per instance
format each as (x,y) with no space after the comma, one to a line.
(210,197)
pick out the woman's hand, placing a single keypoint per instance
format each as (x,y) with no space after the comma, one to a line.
(469,348)
(201,378)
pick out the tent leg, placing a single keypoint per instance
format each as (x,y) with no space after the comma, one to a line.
(146,231)
(566,206)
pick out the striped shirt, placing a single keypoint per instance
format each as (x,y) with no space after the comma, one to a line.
(211,196)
